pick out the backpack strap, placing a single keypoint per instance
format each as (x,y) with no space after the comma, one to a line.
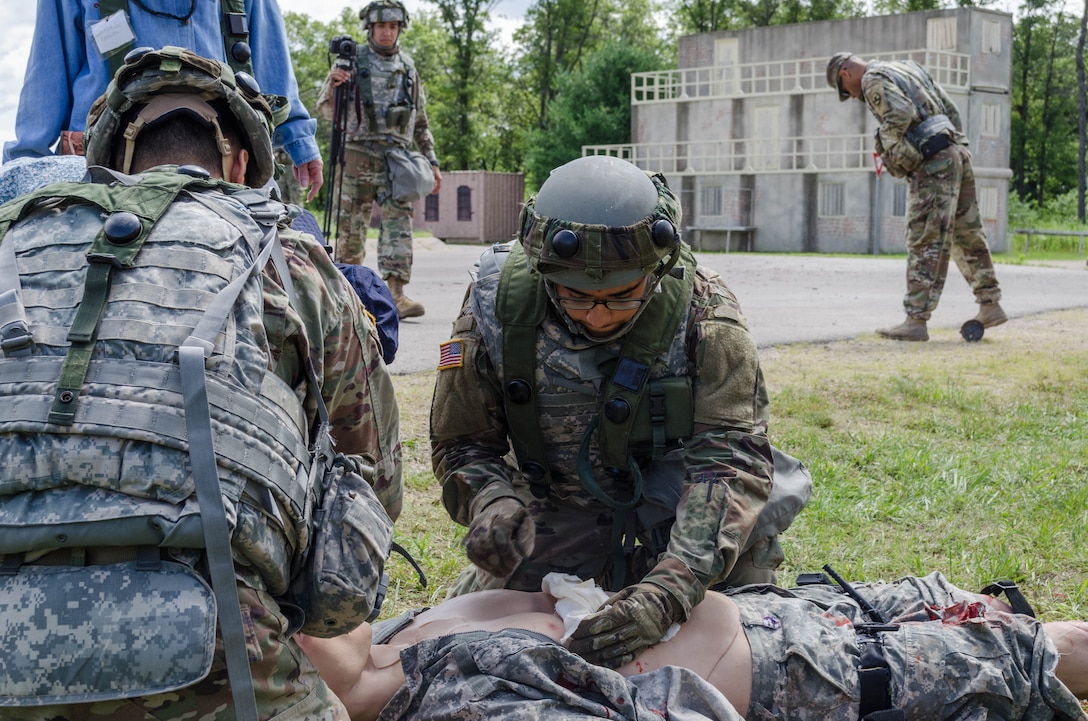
(217,538)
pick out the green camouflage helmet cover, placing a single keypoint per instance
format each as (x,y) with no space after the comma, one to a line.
(599,222)
(180,73)
(384,11)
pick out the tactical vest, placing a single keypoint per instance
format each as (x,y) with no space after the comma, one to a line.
(387,97)
(638,417)
(102,284)
(137,412)
(235,28)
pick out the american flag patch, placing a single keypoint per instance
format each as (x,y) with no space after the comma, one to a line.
(451,354)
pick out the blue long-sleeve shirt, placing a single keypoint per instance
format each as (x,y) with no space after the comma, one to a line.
(65,72)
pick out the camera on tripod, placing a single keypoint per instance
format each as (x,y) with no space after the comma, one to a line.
(343,46)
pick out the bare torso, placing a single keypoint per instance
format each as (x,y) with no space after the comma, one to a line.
(711,644)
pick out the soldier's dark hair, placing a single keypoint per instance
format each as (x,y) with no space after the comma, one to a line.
(182,139)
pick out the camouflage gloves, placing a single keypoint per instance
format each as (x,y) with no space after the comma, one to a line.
(500,537)
(638,616)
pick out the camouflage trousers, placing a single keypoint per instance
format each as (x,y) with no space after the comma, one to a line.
(516,675)
(286,683)
(964,661)
(363,184)
(943,221)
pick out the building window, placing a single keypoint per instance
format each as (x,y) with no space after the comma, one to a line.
(710,201)
(832,200)
(464,203)
(899,200)
(991,37)
(430,208)
(987,203)
(991,120)
(941,34)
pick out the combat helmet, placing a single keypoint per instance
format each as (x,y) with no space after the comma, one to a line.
(384,11)
(599,222)
(155,84)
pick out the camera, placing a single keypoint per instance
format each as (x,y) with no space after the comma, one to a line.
(343,46)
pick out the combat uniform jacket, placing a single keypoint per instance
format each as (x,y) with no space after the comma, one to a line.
(393,84)
(725,462)
(884,87)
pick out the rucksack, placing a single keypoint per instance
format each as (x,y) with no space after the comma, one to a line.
(137,410)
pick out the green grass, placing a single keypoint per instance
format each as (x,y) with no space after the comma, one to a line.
(968,459)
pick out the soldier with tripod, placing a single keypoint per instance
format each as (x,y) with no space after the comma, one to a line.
(374,97)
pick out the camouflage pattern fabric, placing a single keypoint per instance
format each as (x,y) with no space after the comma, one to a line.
(346,352)
(364,182)
(364,179)
(726,465)
(955,659)
(122,482)
(519,675)
(285,681)
(943,220)
(942,207)
(896,112)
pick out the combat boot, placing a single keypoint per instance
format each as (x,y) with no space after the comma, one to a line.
(406,307)
(910,329)
(990,314)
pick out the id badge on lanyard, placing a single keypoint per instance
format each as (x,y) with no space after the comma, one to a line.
(112,33)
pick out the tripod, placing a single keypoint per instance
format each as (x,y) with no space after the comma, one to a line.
(343,99)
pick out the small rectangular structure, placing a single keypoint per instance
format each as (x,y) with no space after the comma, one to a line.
(474,206)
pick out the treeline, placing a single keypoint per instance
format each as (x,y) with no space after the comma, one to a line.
(564,81)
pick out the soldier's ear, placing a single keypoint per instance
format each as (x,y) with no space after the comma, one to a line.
(238,167)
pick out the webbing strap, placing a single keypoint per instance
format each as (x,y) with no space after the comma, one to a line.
(15,336)
(213,515)
(521,305)
(217,539)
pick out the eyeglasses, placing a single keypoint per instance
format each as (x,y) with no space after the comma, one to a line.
(591,303)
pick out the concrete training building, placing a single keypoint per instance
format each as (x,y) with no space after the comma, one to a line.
(764,155)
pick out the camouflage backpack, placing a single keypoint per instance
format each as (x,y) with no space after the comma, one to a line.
(141,428)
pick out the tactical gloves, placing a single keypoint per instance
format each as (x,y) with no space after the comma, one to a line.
(500,537)
(638,616)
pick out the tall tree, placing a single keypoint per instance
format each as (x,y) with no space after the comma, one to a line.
(592,107)
(465,23)
(553,39)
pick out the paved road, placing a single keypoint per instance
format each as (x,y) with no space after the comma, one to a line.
(786,298)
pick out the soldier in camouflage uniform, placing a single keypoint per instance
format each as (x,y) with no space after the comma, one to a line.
(167,109)
(625,378)
(388,109)
(772,653)
(921,138)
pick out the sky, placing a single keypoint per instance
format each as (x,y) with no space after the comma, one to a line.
(17,29)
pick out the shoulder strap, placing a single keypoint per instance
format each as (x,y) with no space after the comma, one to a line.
(521,304)
(236,30)
(217,539)
(366,90)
